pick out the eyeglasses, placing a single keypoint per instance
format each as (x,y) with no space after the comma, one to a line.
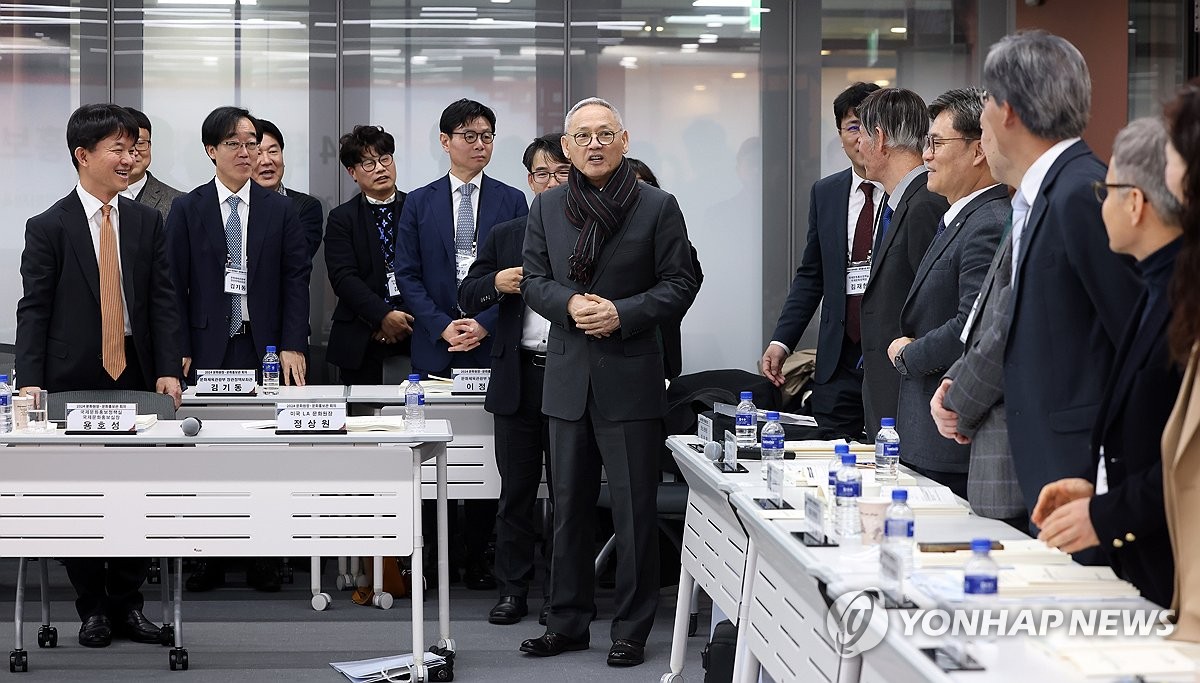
(470,136)
(542,177)
(1101,188)
(142,145)
(368,165)
(984,96)
(233,146)
(604,137)
(932,142)
(852,128)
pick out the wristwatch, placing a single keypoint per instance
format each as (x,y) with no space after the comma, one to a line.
(901,367)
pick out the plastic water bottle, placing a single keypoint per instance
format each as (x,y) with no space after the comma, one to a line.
(6,406)
(835,466)
(849,490)
(898,529)
(746,421)
(772,442)
(980,573)
(270,373)
(887,452)
(414,405)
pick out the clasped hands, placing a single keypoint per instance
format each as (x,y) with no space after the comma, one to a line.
(464,334)
(395,327)
(595,315)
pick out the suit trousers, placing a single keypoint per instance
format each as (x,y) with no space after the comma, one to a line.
(629,451)
(522,446)
(838,403)
(108,587)
(240,354)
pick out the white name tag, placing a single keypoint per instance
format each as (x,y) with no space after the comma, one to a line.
(814,514)
(730,450)
(464,261)
(471,381)
(891,567)
(857,277)
(704,428)
(393,289)
(962,338)
(101,418)
(225,382)
(235,281)
(310,417)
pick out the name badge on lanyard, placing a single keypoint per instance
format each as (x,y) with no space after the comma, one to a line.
(393,289)
(235,280)
(464,259)
(858,273)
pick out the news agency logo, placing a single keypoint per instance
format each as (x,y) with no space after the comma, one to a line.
(856,622)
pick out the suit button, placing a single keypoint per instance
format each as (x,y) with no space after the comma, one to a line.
(1118,543)
(1129,537)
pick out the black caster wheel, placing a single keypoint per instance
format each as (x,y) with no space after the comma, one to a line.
(693,624)
(47,636)
(442,673)
(179,659)
(18,661)
(166,635)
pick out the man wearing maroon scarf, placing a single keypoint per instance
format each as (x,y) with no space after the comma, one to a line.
(606,262)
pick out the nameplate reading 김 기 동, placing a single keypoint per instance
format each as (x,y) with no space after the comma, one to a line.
(225,383)
(101,418)
(470,381)
(310,417)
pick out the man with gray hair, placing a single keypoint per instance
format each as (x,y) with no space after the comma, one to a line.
(894,125)
(1127,522)
(947,281)
(1071,296)
(607,262)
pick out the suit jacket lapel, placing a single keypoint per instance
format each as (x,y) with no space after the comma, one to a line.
(488,201)
(840,209)
(610,245)
(1189,405)
(941,243)
(257,221)
(79,240)
(129,238)
(443,202)
(211,217)
(1038,210)
(897,216)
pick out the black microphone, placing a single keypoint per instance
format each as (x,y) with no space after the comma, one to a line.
(191,426)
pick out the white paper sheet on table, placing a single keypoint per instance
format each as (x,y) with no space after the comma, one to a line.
(1108,657)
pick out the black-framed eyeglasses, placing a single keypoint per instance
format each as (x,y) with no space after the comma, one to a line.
(233,146)
(854,128)
(604,137)
(368,165)
(984,96)
(542,176)
(1101,188)
(142,145)
(932,142)
(470,136)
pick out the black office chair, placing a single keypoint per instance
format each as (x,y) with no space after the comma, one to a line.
(148,403)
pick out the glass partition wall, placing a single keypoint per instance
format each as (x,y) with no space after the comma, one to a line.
(728,101)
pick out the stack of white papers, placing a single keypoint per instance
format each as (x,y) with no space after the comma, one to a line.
(375,423)
(816,473)
(1032,581)
(145,421)
(1109,658)
(395,668)
(929,500)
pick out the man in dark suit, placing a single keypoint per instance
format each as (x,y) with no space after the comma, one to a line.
(370,326)
(240,266)
(97,287)
(1072,296)
(268,172)
(143,186)
(894,125)
(441,226)
(947,282)
(1127,521)
(606,262)
(514,394)
(842,210)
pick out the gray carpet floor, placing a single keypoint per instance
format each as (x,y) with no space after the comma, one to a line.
(236,634)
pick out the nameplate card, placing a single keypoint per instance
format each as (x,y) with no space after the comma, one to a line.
(226,383)
(470,381)
(310,417)
(704,428)
(891,566)
(731,450)
(101,418)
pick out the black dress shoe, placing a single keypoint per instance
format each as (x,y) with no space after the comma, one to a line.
(545,613)
(96,631)
(552,644)
(208,575)
(508,610)
(263,575)
(478,577)
(626,653)
(136,627)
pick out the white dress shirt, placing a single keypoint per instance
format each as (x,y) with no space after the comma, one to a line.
(957,207)
(1031,184)
(243,209)
(534,331)
(92,209)
(135,189)
(456,198)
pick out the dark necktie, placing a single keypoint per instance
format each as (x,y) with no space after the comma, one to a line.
(387,236)
(860,250)
(941,227)
(885,221)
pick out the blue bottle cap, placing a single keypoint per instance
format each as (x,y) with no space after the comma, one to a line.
(888,422)
(414,378)
(4,379)
(981,545)
(841,448)
(899,495)
(747,395)
(772,415)
(270,349)
(848,459)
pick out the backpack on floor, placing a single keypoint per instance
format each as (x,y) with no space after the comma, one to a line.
(717,655)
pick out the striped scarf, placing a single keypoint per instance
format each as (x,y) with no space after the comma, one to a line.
(597,213)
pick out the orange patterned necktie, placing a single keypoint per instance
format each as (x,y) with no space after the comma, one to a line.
(112,312)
